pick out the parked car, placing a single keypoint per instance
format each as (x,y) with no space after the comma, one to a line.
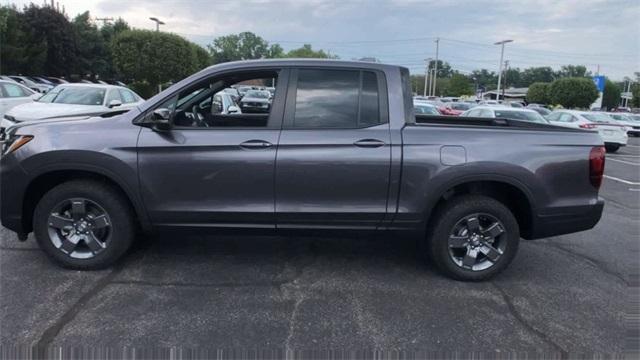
(38,87)
(74,100)
(342,153)
(425,108)
(256,101)
(458,107)
(515,104)
(6,78)
(534,105)
(613,134)
(540,110)
(629,120)
(56,80)
(505,113)
(13,94)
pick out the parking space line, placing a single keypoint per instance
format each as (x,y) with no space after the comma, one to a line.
(631,189)
(638,146)
(624,162)
(622,180)
(616,156)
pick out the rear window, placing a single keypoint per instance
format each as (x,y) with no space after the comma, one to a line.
(336,99)
(520,115)
(596,117)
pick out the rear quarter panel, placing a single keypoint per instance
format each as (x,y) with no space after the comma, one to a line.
(550,167)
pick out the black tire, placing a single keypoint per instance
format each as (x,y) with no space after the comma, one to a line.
(121,226)
(449,215)
(611,148)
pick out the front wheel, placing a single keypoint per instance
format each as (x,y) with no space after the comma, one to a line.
(84,225)
(473,237)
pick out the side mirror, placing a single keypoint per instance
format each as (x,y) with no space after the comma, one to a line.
(233,109)
(114,103)
(162,119)
(36,96)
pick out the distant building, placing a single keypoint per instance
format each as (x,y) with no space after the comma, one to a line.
(509,94)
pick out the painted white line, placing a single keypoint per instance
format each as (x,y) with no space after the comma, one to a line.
(630,189)
(616,156)
(633,145)
(622,161)
(622,180)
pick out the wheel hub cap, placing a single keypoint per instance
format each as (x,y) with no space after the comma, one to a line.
(477,241)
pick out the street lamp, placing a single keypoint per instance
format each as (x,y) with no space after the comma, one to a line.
(500,69)
(158,22)
(426,75)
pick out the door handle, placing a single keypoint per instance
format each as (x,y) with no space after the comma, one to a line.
(369,143)
(256,144)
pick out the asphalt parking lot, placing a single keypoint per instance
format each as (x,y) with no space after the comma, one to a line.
(567,295)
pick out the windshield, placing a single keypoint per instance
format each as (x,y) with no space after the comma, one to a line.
(75,95)
(257,94)
(619,117)
(541,111)
(596,117)
(425,110)
(520,115)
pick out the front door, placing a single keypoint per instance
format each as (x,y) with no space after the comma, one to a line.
(212,169)
(334,153)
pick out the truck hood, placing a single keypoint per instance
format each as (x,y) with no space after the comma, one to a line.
(39,111)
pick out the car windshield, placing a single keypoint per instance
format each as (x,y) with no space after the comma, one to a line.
(542,111)
(82,95)
(596,117)
(634,118)
(460,106)
(619,117)
(425,110)
(257,94)
(520,115)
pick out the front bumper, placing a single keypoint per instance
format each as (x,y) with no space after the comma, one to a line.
(13,180)
(570,220)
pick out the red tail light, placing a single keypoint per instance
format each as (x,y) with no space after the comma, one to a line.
(587,126)
(596,165)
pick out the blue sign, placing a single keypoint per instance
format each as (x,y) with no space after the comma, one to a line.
(599,81)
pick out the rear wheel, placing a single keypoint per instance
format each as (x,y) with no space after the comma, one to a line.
(473,238)
(84,225)
(611,147)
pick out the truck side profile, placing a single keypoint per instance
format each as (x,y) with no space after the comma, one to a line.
(340,148)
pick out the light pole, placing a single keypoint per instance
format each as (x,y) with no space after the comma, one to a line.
(426,76)
(158,22)
(500,70)
(435,66)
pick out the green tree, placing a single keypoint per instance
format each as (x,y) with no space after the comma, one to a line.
(459,85)
(573,71)
(537,74)
(539,93)
(12,41)
(155,57)
(635,91)
(49,46)
(91,51)
(573,92)
(243,46)
(611,95)
(306,51)
(485,78)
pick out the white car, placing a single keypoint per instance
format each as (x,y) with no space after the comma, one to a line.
(503,112)
(13,94)
(631,121)
(73,100)
(613,135)
(425,108)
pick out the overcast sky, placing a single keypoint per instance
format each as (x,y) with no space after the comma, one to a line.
(545,32)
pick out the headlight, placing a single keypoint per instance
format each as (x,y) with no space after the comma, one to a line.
(15,143)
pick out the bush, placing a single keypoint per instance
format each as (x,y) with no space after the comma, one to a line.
(611,95)
(573,92)
(538,93)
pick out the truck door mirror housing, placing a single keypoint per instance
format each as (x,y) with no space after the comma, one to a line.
(162,119)
(233,109)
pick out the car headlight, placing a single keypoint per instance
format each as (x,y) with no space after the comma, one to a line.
(14,143)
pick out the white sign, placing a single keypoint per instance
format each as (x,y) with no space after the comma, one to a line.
(626,95)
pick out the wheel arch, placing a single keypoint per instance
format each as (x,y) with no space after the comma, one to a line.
(51,178)
(510,192)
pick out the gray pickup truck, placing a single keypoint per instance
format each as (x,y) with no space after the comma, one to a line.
(339,150)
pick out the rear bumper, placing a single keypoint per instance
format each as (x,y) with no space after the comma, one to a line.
(574,219)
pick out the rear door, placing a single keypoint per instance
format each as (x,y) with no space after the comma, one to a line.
(333,160)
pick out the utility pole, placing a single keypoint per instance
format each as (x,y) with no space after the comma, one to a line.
(426,75)
(500,69)
(435,66)
(506,69)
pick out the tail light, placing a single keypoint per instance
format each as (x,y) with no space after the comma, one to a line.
(596,165)
(587,126)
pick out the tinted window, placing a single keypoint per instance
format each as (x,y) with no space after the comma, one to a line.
(520,115)
(12,90)
(336,99)
(78,95)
